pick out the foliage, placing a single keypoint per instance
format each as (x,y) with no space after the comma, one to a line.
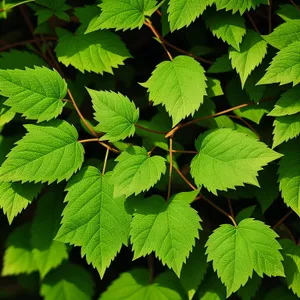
(150,149)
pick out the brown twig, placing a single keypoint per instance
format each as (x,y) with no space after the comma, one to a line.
(149,130)
(185,151)
(252,22)
(150,152)
(105,161)
(171,167)
(88,140)
(151,260)
(230,208)
(246,123)
(201,196)
(270,16)
(282,219)
(295,4)
(149,24)
(289,233)
(109,147)
(22,43)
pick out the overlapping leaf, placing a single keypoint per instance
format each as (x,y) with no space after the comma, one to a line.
(226,26)
(115,113)
(285,66)
(97,52)
(228,158)
(126,14)
(134,285)
(168,229)
(47,153)
(183,12)
(94,219)
(136,171)
(286,128)
(238,251)
(14,197)
(252,51)
(180,85)
(48,254)
(68,282)
(289,174)
(284,34)
(36,93)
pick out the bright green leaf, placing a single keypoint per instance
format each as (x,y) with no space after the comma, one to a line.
(97,52)
(47,153)
(228,158)
(136,172)
(126,14)
(183,12)
(284,67)
(286,128)
(221,65)
(288,104)
(226,26)
(94,219)
(238,251)
(36,93)
(180,85)
(167,228)
(285,34)
(134,285)
(14,197)
(289,174)
(115,113)
(252,51)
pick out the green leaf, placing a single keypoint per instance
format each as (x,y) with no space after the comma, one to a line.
(193,271)
(288,104)
(287,12)
(9,4)
(167,228)
(183,12)
(14,197)
(87,13)
(16,59)
(221,65)
(238,251)
(252,51)
(55,5)
(211,288)
(6,113)
(18,257)
(214,88)
(136,171)
(226,26)
(238,5)
(47,153)
(248,291)
(291,263)
(48,253)
(228,158)
(126,14)
(284,67)
(97,52)
(36,93)
(94,219)
(134,285)
(286,128)
(289,174)
(180,85)
(68,282)
(245,213)
(284,35)
(115,113)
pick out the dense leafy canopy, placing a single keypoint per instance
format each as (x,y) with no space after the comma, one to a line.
(150,149)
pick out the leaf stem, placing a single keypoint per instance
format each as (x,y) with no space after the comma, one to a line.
(282,219)
(289,233)
(171,167)
(230,208)
(150,152)
(105,161)
(185,151)
(88,140)
(109,147)
(149,24)
(246,123)
(201,196)
(252,22)
(151,267)
(149,130)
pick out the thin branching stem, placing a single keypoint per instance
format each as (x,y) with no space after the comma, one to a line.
(88,140)
(149,130)
(282,219)
(293,3)
(171,167)
(252,22)
(105,161)
(246,123)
